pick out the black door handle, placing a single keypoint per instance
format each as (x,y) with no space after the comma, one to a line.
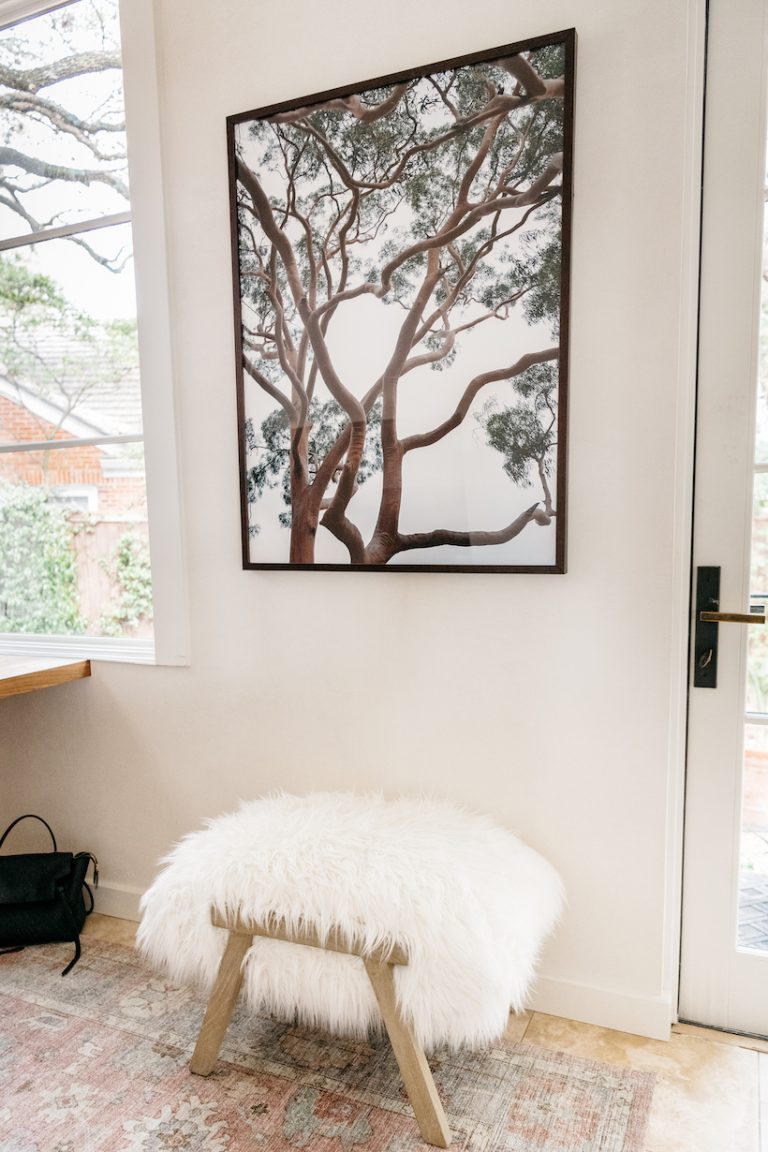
(708,619)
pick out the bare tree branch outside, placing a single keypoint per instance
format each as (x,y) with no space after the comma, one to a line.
(401,289)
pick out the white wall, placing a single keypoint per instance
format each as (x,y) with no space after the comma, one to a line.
(550,701)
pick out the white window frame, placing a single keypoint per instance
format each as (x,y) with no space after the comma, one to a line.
(169,582)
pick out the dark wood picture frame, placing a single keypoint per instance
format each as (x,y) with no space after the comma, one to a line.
(401,266)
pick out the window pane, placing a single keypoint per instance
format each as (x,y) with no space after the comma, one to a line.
(752,925)
(74,556)
(757,664)
(753,887)
(73,521)
(761,439)
(62,121)
(68,348)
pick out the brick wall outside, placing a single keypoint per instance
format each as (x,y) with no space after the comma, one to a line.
(18,424)
(120,496)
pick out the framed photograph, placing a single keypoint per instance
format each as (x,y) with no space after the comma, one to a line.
(401,265)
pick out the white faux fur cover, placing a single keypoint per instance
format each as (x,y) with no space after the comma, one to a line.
(470,901)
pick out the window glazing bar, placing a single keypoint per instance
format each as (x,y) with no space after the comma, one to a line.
(65,230)
(75,442)
(14,11)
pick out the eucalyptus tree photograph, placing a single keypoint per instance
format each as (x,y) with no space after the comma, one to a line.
(401,263)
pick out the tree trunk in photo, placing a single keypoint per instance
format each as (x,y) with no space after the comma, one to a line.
(303,532)
(303,509)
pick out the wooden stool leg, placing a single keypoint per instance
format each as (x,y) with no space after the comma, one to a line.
(410,1057)
(221,1004)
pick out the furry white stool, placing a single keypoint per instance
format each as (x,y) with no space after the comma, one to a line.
(446,909)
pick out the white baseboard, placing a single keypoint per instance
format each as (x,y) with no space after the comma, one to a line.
(118,900)
(640,1015)
(651,1016)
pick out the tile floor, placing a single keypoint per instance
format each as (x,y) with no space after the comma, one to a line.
(711,1090)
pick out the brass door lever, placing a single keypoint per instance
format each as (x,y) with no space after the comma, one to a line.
(708,619)
(757,617)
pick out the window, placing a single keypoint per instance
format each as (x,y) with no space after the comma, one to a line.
(76,456)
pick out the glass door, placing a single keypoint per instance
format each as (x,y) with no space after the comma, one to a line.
(752,925)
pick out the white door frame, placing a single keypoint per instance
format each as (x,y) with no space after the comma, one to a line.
(714,986)
(681,497)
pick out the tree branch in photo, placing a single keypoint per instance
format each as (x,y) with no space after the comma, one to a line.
(427,439)
(439,537)
(366,113)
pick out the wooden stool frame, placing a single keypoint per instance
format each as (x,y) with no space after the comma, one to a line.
(379,964)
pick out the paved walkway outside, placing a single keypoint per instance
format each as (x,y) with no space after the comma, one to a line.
(753,911)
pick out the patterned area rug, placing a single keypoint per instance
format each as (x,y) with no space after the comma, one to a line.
(97,1062)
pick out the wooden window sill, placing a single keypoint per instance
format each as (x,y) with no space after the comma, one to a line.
(29,673)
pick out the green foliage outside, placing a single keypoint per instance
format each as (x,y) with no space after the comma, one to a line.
(38,568)
(131,577)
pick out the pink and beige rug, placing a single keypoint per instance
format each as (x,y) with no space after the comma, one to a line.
(97,1062)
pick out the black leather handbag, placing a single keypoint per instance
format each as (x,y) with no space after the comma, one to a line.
(43,896)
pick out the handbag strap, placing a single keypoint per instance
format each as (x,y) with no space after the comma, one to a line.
(76,933)
(28,816)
